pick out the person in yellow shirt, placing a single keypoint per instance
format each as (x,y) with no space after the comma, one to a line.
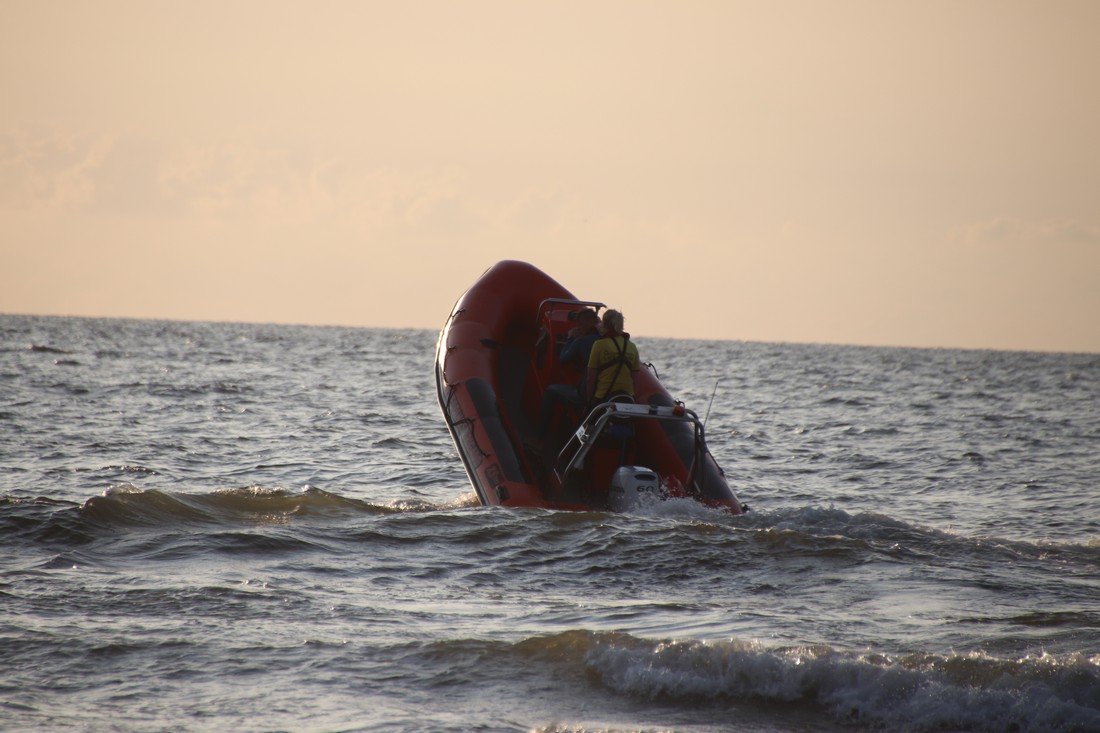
(613,364)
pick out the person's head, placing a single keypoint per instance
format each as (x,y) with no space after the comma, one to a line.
(612,323)
(587,318)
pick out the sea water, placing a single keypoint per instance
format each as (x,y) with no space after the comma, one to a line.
(257,527)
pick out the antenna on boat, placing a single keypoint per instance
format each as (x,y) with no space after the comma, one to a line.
(712,393)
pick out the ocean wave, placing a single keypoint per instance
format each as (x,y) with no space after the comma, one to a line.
(885,532)
(916,692)
(41,519)
(127,505)
(663,533)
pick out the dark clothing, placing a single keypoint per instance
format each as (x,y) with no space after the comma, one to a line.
(576,350)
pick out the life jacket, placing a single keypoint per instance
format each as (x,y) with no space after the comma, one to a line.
(618,361)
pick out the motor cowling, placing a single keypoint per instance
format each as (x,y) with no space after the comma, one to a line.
(632,487)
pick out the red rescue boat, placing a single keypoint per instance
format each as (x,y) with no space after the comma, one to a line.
(496,356)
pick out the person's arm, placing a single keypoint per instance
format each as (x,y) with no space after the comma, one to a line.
(593,371)
(569,351)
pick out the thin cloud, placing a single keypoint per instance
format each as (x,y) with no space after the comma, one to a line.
(130,176)
(47,171)
(1011,231)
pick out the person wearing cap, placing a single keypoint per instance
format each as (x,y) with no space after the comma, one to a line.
(580,339)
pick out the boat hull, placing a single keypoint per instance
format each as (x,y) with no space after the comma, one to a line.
(494,358)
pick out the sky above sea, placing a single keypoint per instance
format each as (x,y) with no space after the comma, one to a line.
(921,174)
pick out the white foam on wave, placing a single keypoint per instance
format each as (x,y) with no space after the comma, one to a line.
(681,508)
(122,489)
(925,692)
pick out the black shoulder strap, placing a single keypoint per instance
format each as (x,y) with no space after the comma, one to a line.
(617,360)
(620,361)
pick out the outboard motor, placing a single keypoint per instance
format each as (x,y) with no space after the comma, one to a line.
(633,487)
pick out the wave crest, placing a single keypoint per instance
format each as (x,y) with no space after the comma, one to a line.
(920,692)
(130,505)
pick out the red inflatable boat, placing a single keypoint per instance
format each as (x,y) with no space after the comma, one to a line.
(496,356)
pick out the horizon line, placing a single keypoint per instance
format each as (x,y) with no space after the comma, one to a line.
(778,342)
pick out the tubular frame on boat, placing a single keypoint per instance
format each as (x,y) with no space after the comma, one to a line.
(600,419)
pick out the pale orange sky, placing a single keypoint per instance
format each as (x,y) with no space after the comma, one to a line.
(917,173)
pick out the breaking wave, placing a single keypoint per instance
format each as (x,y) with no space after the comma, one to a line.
(917,692)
